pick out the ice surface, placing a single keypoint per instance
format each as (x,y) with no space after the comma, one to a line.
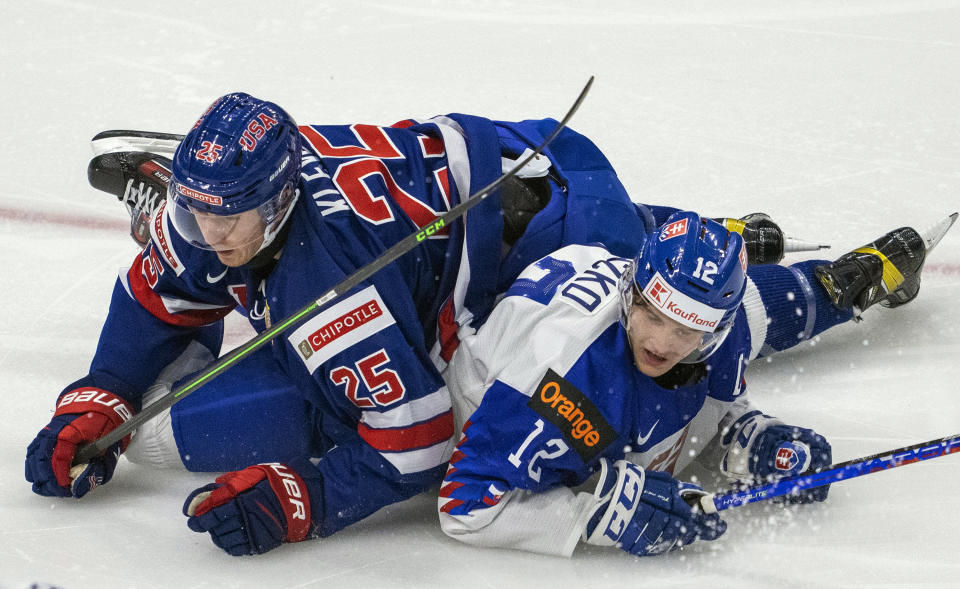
(838,119)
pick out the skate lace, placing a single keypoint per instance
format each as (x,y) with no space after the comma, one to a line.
(140,197)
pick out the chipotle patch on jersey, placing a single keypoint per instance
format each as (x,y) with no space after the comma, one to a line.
(341,326)
(582,424)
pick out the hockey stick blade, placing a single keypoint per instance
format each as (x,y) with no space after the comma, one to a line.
(832,474)
(403,246)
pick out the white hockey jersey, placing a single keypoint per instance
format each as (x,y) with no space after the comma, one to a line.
(547,387)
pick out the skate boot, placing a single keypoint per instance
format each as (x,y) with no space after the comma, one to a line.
(765,241)
(886,271)
(138,179)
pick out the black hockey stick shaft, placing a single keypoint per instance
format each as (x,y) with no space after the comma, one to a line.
(403,246)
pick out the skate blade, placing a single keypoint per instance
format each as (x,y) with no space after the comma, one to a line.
(123,140)
(792,245)
(933,235)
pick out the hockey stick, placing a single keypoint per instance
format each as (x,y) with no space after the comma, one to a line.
(832,474)
(403,246)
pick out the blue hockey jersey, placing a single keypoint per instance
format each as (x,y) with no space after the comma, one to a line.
(547,387)
(368,366)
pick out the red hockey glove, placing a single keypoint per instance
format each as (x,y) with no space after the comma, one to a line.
(253,510)
(83,415)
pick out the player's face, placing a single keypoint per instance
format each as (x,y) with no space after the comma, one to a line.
(658,342)
(235,238)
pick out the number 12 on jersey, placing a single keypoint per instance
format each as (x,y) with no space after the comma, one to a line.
(554,448)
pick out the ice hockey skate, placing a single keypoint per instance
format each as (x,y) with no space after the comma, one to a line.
(886,271)
(138,179)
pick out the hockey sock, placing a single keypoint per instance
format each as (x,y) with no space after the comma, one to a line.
(796,306)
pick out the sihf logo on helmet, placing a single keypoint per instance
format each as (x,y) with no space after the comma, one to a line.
(675,229)
(255,131)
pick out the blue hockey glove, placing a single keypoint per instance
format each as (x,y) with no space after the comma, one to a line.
(785,450)
(647,512)
(83,415)
(253,510)
(762,448)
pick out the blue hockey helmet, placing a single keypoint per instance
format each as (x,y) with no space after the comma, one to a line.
(242,154)
(693,271)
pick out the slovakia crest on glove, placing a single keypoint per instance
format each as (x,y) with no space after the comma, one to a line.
(792,458)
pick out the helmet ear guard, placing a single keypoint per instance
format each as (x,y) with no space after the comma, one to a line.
(693,271)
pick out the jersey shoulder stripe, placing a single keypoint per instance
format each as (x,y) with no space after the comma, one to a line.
(173,311)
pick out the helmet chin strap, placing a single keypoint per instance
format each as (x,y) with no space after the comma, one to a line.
(271,231)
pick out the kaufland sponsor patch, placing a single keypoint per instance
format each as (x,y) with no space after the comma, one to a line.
(681,308)
(674,229)
(341,326)
(200,196)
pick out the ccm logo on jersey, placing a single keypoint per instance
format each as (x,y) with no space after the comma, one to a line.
(582,424)
(340,327)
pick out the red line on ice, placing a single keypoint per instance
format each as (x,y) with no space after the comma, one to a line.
(83,222)
(941,268)
(78,221)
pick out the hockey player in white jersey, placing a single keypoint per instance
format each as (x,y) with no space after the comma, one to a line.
(629,370)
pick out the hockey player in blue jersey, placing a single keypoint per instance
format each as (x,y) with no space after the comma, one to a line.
(632,368)
(263,216)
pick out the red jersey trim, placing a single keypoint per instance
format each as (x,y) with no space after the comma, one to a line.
(437,430)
